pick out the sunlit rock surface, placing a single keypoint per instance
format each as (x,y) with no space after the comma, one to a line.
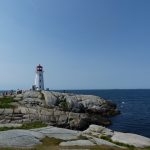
(58,109)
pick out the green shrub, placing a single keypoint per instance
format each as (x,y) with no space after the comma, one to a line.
(63,104)
(5,102)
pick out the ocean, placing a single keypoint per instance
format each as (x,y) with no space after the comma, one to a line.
(134,106)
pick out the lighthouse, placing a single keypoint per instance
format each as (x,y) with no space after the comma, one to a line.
(39,80)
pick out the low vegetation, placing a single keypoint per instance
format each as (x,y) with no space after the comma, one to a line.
(63,105)
(49,143)
(31,125)
(103,147)
(5,102)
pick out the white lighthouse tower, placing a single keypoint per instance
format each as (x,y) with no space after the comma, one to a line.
(39,81)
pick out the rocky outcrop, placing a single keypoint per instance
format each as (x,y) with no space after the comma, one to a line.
(53,117)
(131,139)
(98,131)
(80,103)
(30,138)
(90,137)
(59,133)
(58,109)
(20,138)
(114,136)
(65,110)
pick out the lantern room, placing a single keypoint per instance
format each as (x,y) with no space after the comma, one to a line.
(39,68)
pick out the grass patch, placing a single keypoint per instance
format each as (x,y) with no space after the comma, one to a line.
(17,149)
(55,147)
(81,137)
(31,125)
(131,147)
(51,141)
(49,144)
(146,148)
(6,128)
(5,102)
(104,147)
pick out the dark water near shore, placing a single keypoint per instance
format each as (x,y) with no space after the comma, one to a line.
(134,106)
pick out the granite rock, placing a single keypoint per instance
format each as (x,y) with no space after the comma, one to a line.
(131,139)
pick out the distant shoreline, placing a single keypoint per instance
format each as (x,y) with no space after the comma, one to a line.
(87,89)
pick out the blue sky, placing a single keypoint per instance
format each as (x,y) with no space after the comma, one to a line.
(82,44)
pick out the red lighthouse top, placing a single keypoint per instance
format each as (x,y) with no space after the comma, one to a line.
(39,68)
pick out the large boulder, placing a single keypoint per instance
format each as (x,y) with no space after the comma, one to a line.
(58,133)
(131,139)
(20,138)
(71,101)
(32,102)
(31,94)
(50,99)
(98,131)
(90,100)
(114,136)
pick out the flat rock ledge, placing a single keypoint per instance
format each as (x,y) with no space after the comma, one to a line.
(131,139)
(90,137)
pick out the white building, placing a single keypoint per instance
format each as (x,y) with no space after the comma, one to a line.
(39,80)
